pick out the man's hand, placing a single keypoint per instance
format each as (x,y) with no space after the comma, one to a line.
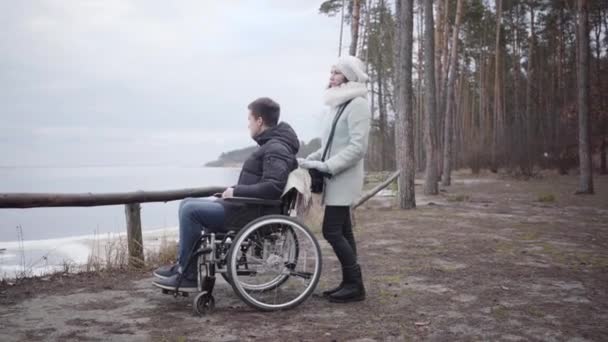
(228,193)
(314,164)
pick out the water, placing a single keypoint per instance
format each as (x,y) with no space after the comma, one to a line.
(51,234)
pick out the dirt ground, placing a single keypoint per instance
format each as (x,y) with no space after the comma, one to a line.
(489,259)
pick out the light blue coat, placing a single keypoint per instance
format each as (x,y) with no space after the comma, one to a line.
(346,153)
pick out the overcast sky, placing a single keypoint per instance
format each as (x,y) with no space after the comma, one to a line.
(98,82)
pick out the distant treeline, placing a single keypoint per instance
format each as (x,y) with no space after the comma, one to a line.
(237,157)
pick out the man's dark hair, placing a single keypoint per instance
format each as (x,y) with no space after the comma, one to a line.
(267,109)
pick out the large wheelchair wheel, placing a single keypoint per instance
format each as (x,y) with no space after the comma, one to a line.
(290,242)
(274,263)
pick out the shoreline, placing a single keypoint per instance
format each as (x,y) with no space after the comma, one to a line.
(41,257)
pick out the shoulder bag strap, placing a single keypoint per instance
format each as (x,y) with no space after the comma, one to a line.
(333,129)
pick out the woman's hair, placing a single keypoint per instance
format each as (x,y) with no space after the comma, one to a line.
(266,108)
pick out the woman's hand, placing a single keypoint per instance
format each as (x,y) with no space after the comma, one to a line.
(313,164)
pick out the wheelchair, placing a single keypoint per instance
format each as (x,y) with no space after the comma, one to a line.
(272,263)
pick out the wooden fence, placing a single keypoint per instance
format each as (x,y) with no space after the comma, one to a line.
(132,202)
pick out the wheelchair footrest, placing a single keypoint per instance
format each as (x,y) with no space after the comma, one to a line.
(173,293)
(205,250)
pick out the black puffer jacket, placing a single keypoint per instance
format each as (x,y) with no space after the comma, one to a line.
(265,172)
(264,175)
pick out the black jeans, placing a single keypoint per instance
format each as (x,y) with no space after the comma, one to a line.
(338,231)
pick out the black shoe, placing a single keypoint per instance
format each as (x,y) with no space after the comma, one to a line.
(188,284)
(353,289)
(335,289)
(165,272)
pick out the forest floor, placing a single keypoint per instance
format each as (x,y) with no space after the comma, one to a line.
(490,258)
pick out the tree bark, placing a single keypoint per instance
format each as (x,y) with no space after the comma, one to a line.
(420,116)
(440,96)
(603,157)
(584,128)
(354,27)
(517,137)
(498,115)
(442,58)
(602,99)
(439,32)
(448,126)
(430,133)
(404,125)
(527,166)
(382,124)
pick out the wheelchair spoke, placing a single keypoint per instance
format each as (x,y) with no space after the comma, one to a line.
(252,261)
(285,259)
(304,275)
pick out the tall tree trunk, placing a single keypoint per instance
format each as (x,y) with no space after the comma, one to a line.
(527,167)
(585,185)
(341,28)
(441,94)
(366,31)
(450,104)
(561,81)
(517,136)
(420,116)
(480,132)
(443,53)
(354,27)
(498,115)
(404,125)
(603,157)
(382,124)
(439,32)
(430,132)
(441,98)
(602,99)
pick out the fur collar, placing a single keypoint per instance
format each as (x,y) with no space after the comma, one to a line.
(337,95)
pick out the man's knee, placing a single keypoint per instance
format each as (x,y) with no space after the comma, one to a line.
(187,209)
(183,203)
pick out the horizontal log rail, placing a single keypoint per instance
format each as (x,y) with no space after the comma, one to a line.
(37,200)
(131,200)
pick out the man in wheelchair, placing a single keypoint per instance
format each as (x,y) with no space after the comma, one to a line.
(264,176)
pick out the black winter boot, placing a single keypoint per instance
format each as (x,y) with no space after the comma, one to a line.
(353,289)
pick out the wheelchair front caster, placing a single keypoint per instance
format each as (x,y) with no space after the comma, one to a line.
(204,303)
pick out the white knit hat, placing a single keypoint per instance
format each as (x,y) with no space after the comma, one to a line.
(352,68)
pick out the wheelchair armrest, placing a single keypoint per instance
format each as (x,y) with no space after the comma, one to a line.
(256,201)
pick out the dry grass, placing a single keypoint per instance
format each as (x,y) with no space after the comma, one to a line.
(165,253)
(546,198)
(458,198)
(113,255)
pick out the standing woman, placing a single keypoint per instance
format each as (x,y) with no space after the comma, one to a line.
(343,161)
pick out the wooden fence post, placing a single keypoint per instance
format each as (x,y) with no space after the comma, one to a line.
(134,236)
